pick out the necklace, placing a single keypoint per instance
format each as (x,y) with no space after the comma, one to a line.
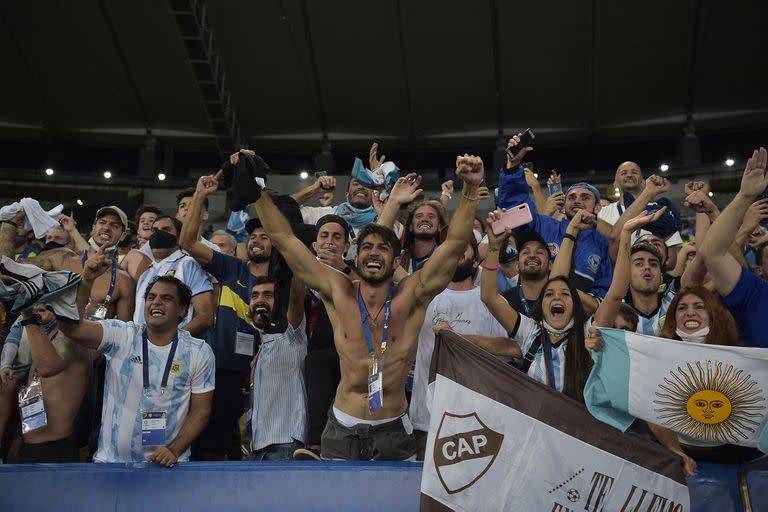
(370,319)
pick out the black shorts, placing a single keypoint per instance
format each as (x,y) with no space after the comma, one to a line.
(62,450)
(222,434)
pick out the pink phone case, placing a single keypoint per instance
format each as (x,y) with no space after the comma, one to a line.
(512,218)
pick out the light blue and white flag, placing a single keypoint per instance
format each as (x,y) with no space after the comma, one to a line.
(711,393)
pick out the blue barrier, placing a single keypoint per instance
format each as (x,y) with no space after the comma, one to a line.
(301,486)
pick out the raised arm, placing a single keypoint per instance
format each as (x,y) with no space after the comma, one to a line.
(608,310)
(321,184)
(723,267)
(499,345)
(296,302)
(446,193)
(300,259)
(538,195)
(86,332)
(70,226)
(7,234)
(188,238)
(563,262)
(436,273)
(654,187)
(405,190)
(489,287)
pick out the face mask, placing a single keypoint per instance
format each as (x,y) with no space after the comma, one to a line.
(162,240)
(694,337)
(478,235)
(96,247)
(52,245)
(552,330)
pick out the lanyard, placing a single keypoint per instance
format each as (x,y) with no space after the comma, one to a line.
(113,279)
(548,360)
(364,315)
(524,301)
(145,360)
(416,264)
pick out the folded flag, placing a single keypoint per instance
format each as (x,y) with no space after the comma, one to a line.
(28,285)
(711,393)
(383,176)
(498,440)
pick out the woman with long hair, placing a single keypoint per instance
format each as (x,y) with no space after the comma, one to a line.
(552,340)
(697,315)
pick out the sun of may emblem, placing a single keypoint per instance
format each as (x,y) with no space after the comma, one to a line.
(716,403)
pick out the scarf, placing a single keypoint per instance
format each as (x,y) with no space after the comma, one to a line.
(356,217)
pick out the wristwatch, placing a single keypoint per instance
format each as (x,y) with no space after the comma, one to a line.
(35,319)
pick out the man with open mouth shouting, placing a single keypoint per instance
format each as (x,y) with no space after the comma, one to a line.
(376,323)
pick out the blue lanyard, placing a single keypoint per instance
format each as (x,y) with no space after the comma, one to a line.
(364,315)
(416,265)
(113,279)
(145,360)
(524,301)
(548,360)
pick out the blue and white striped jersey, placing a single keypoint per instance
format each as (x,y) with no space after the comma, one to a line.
(193,371)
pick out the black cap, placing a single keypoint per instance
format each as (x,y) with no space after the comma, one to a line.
(325,219)
(531,236)
(252,224)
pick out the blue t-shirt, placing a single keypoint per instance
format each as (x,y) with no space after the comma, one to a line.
(592,267)
(748,303)
(232,311)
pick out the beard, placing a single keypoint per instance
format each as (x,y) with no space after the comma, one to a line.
(533,274)
(464,271)
(424,236)
(374,280)
(258,258)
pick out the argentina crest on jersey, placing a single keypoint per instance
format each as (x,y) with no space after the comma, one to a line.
(593,261)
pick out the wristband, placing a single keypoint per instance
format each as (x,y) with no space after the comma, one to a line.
(570,237)
(490,267)
(465,196)
(446,194)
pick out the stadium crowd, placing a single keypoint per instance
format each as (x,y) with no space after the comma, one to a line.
(304,332)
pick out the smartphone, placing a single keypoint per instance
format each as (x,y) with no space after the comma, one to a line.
(554,188)
(512,218)
(526,139)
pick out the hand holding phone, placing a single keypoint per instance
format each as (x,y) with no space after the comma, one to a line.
(516,152)
(512,218)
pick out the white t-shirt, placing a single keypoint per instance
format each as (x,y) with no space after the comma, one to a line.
(612,212)
(466,314)
(193,371)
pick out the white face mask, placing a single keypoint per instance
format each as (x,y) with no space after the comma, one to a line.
(478,235)
(96,247)
(694,337)
(553,330)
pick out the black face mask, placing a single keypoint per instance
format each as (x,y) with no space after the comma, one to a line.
(52,245)
(162,240)
(464,271)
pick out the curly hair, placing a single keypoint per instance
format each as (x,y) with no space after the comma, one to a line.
(722,326)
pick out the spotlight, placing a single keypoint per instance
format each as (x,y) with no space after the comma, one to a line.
(729,162)
(161,176)
(616,194)
(616,189)
(49,172)
(79,202)
(107,174)
(664,167)
(711,194)
(303,175)
(536,175)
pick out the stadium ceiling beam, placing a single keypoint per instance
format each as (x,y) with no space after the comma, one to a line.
(497,66)
(203,55)
(697,38)
(404,63)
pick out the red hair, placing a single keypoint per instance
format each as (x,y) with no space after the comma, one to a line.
(722,326)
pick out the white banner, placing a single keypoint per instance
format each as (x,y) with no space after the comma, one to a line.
(483,455)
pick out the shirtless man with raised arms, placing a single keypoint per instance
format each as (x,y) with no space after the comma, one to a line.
(371,318)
